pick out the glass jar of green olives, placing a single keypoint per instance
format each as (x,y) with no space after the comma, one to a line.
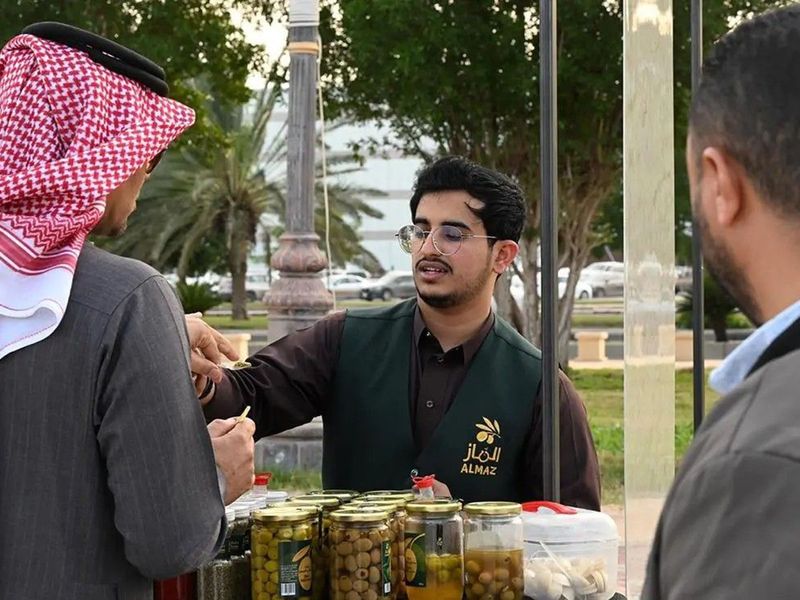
(360,555)
(397,524)
(406,495)
(493,546)
(343,495)
(434,551)
(281,562)
(320,549)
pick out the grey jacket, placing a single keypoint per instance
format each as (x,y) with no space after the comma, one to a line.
(107,475)
(730,528)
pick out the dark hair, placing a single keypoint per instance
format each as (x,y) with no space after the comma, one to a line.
(503,213)
(748,103)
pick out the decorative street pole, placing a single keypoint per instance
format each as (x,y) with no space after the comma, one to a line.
(299,298)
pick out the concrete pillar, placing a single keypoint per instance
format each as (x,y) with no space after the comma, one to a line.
(591,346)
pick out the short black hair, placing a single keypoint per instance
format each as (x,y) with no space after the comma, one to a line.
(503,213)
(748,103)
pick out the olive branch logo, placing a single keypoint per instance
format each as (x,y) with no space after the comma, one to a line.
(488,431)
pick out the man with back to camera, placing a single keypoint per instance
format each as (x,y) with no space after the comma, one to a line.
(729,528)
(438,384)
(107,477)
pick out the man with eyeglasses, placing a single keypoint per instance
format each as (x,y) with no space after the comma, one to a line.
(107,468)
(434,385)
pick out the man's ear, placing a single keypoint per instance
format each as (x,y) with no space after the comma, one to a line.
(504,252)
(722,186)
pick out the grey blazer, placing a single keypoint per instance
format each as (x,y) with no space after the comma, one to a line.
(731,524)
(107,476)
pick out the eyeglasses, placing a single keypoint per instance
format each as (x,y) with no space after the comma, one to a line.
(154,162)
(447,239)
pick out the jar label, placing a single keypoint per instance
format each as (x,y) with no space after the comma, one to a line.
(294,569)
(386,552)
(236,544)
(246,542)
(416,565)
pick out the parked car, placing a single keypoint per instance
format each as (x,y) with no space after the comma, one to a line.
(335,272)
(347,287)
(255,286)
(582,290)
(395,284)
(604,278)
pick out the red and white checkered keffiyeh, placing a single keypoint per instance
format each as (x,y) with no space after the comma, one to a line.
(70,132)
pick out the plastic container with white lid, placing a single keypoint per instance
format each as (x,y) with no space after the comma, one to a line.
(569,552)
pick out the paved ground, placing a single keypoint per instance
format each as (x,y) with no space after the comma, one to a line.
(638,543)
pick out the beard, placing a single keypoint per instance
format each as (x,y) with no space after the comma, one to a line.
(468,292)
(723,269)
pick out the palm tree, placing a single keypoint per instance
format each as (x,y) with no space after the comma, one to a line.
(197,201)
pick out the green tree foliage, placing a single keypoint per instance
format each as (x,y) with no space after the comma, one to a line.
(191,39)
(461,77)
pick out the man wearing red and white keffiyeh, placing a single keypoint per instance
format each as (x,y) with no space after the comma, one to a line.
(71,133)
(104,452)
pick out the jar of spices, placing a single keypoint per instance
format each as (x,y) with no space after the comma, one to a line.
(434,551)
(320,549)
(281,563)
(215,579)
(493,549)
(360,555)
(240,541)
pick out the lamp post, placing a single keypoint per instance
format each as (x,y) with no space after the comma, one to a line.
(299,298)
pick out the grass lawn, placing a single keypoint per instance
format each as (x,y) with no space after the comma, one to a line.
(225,321)
(228,322)
(259,322)
(580,321)
(295,481)
(602,392)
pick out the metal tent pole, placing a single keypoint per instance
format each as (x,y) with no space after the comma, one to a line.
(698,301)
(549,240)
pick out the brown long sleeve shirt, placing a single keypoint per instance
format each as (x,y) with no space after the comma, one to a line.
(290,382)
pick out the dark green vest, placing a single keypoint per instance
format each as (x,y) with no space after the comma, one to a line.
(478,448)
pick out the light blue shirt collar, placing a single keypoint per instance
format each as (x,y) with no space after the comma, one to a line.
(735,368)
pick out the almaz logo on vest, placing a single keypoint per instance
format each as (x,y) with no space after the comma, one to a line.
(482,454)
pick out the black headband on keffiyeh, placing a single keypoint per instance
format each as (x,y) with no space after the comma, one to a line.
(111,55)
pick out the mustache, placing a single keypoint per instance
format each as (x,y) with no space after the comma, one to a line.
(431,261)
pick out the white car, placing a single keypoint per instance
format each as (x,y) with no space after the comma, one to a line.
(346,287)
(255,286)
(582,290)
(605,278)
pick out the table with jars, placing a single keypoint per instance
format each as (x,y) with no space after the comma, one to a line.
(390,545)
